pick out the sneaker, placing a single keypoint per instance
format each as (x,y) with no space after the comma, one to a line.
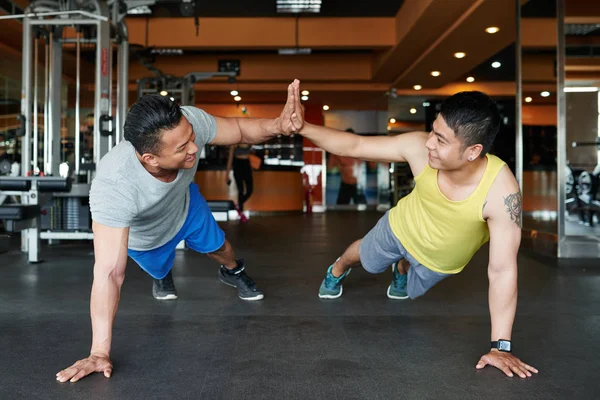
(237,278)
(397,289)
(164,289)
(331,287)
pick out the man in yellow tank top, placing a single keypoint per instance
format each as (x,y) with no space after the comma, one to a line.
(462,198)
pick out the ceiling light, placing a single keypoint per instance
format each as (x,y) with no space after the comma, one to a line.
(492,29)
(417,87)
(304,98)
(234,92)
(172,98)
(325,107)
(167,52)
(164,93)
(305,93)
(545,93)
(460,54)
(426,104)
(588,89)
(496,64)
(528,99)
(413,110)
(470,79)
(435,73)
(294,51)
(392,120)
(237,98)
(299,6)
(389,128)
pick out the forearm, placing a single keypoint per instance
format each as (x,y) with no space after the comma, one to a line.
(503,301)
(331,140)
(257,130)
(106,291)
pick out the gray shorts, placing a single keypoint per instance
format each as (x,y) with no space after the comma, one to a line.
(380,248)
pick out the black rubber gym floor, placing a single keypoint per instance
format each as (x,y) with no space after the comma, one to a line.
(292,345)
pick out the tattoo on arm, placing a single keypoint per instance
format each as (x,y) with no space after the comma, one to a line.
(514,208)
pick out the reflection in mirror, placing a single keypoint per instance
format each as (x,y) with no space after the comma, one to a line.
(582,186)
(538,34)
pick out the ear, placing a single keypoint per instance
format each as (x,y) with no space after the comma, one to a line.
(150,159)
(473,152)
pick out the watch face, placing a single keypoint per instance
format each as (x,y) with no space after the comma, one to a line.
(504,346)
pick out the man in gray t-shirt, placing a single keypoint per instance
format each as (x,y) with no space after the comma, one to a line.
(144,202)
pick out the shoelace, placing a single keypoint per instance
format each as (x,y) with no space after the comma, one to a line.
(167,283)
(398,280)
(247,280)
(330,281)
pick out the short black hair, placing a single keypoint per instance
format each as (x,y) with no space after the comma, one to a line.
(149,117)
(474,117)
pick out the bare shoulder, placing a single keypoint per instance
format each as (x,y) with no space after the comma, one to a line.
(504,200)
(413,150)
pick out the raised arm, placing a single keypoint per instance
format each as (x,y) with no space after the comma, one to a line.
(110,250)
(399,148)
(256,130)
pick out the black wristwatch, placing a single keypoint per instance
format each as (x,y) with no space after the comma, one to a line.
(502,345)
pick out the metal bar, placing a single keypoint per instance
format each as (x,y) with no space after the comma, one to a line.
(561,134)
(48,115)
(55,13)
(519,101)
(77,105)
(26,99)
(101,99)
(110,95)
(46,22)
(82,40)
(46,101)
(55,106)
(123,83)
(26,112)
(66,235)
(36,144)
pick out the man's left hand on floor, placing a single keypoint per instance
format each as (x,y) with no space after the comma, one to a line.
(507,363)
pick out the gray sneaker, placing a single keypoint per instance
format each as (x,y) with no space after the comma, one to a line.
(164,289)
(238,279)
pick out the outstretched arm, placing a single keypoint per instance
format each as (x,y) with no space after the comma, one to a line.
(110,250)
(256,130)
(398,148)
(503,210)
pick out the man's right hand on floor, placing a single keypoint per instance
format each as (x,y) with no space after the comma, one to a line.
(82,368)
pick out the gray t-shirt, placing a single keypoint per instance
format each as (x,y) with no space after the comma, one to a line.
(124,194)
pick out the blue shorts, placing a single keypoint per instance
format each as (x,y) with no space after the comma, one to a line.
(200,232)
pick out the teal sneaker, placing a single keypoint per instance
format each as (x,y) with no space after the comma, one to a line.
(331,288)
(397,289)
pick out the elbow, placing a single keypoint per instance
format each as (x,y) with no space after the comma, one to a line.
(111,273)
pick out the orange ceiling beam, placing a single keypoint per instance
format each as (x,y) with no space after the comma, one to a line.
(538,33)
(262,33)
(418,24)
(467,34)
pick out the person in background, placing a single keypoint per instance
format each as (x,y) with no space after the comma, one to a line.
(239,160)
(348,170)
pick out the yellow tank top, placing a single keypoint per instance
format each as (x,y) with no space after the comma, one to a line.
(440,233)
